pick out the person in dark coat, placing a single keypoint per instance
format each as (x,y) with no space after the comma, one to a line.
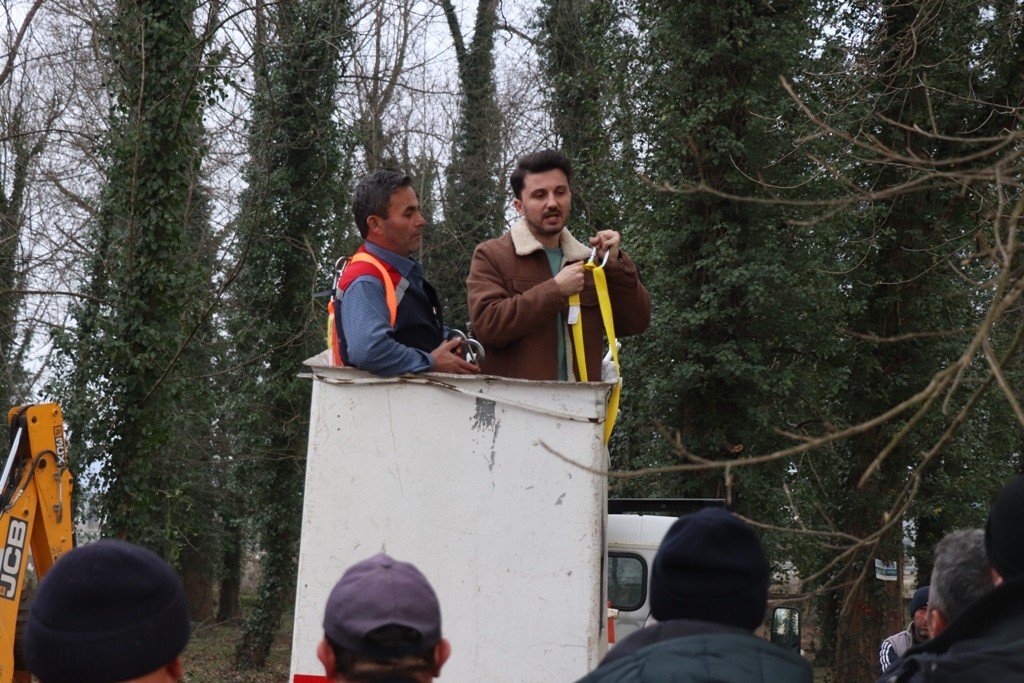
(986,641)
(709,593)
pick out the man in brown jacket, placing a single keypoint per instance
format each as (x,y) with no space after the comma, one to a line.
(519,284)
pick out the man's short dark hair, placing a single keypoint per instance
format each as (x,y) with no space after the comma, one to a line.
(354,667)
(538,162)
(373,194)
(961,573)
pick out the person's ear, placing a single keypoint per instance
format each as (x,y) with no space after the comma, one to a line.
(176,670)
(442,651)
(374,224)
(997,578)
(937,622)
(518,203)
(325,653)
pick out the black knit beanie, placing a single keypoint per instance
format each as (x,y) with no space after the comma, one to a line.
(919,600)
(711,567)
(1004,539)
(109,611)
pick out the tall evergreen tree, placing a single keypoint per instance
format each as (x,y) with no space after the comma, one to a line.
(131,397)
(292,218)
(910,97)
(473,199)
(584,53)
(735,308)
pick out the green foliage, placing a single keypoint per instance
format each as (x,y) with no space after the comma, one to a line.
(584,51)
(133,398)
(769,318)
(738,311)
(910,306)
(473,198)
(291,227)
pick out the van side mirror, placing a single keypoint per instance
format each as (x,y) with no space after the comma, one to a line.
(786,628)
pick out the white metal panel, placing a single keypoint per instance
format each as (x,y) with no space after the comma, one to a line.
(450,473)
(637,531)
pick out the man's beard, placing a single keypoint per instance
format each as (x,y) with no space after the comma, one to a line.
(544,229)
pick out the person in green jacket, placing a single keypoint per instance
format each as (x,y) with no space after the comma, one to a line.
(709,593)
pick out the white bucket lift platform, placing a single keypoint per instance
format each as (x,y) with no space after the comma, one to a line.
(456,474)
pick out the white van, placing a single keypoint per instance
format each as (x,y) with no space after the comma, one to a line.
(633,540)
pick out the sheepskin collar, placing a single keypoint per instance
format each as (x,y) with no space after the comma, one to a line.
(525,243)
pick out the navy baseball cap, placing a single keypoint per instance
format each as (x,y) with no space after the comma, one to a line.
(377,592)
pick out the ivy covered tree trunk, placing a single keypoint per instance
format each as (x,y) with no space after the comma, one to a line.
(13,178)
(584,53)
(132,398)
(473,196)
(893,288)
(20,148)
(292,219)
(228,599)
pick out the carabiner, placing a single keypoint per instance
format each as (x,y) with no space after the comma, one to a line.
(593,257)
(472,350)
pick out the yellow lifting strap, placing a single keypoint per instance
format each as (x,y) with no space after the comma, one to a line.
(605,304)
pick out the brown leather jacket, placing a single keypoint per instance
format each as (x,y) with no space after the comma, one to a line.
(514,301)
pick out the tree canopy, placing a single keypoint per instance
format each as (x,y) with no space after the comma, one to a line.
(823,199)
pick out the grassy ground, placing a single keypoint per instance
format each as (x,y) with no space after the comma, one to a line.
(209,656)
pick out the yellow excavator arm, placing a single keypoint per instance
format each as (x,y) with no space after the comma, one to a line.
(35,516)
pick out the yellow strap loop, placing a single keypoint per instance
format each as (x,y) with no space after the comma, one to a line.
(577,336)
(605,304)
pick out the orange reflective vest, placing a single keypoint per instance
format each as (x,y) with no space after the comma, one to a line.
(376,269)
